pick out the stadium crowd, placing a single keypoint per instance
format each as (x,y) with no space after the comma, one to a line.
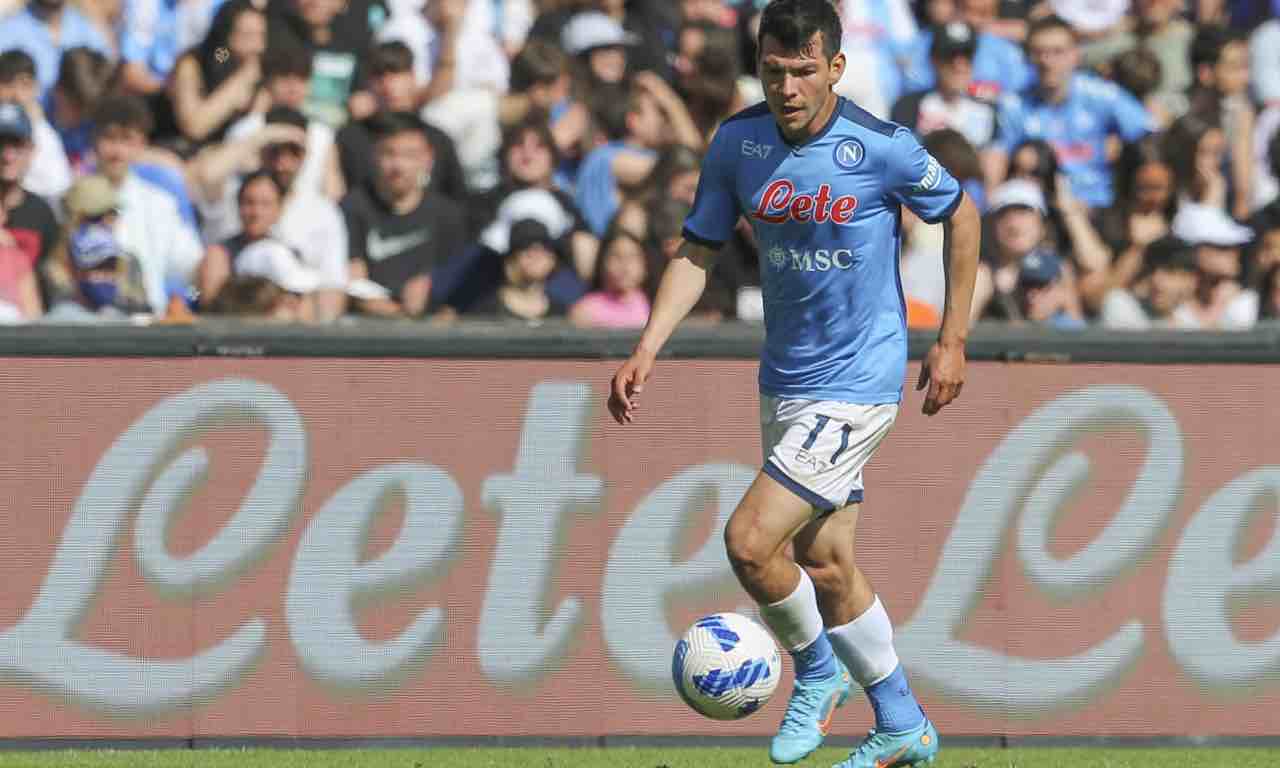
(304,160)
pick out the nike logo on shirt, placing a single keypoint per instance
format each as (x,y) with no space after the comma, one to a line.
(380,248)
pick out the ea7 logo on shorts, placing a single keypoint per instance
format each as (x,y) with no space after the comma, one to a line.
(932,176)
(752,149)
(849,153)
(780,203)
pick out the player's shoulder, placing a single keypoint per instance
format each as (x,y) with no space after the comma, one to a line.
(860,120)
(1095,88)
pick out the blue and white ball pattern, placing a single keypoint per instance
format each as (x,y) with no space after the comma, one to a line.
(726,666)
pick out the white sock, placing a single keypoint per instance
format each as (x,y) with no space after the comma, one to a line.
(865,645)
(795,619)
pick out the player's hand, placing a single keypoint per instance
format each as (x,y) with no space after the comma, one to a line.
(628,383)
(943,373)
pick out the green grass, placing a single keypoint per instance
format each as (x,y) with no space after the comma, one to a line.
(624,757)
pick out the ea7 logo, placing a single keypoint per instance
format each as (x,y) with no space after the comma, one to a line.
(752,149)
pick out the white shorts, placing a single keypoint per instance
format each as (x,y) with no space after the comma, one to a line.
(817,448)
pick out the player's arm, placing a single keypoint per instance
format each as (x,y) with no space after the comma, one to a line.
(683,282)
(943,369)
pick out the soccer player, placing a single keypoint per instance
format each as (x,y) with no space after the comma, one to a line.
(821,182)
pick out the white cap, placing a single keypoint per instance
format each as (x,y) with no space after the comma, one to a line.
(278,263)
(537,204)
(1017,192)
(1206,225)
(1090,15)
(593,29)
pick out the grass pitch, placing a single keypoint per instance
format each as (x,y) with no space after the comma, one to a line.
(625,757)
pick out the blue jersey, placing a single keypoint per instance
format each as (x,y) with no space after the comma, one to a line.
(999,67)
(1077,129)
(827,222)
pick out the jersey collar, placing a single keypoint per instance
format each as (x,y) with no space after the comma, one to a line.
(835,114)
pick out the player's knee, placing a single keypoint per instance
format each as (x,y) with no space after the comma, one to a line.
(747,546)
(829,578)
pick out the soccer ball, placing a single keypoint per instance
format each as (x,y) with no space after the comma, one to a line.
(726,666)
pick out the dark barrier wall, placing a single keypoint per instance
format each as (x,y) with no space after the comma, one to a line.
(199,547)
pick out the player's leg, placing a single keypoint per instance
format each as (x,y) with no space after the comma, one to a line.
(862,636)
(756,537)
(774,508)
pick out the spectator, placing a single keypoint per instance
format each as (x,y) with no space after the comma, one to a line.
(46,29)
(652,25)
(949,105)
(1044,297)
(286,77)
(1098,24)
(49,173)
(454,48)
(599,47)
(150,227)
(279,264)
(1220,60)
(540,85)
(106,281)
(156,32)
(84,78)
(1138,72)
(1268,217)
(1197,149)
(707,76)
(1166,281)
(1145,206)
(1005,19)
(651,109)
(260,200)
(1264,62)
(215,83)
(257,298)
(394,90)
(310,224)
(674,176)
(1266,255)
(19,289)
(399,232)
(30,223)
(997,65)
(1163,31)
(1017,216)
(733,287)
(529,261)
(618,299)
(1073,111)
(336,39)
(1220,301)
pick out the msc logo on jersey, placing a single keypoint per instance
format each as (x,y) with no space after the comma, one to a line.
(849,153)
(780,202)
(752,149)
(817,260)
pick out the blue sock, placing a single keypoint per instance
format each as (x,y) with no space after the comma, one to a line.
(895,705)
(817,661)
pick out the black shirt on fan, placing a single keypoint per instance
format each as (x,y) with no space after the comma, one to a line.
(397,247)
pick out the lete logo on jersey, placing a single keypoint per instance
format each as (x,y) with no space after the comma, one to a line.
(780,202)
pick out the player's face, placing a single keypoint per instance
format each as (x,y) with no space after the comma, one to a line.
(1054,54)
(797,85)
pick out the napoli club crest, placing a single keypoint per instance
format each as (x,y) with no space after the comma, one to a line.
(778,257)
(849,154)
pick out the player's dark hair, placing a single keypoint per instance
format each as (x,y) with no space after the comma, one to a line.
(261,174)
(387,124)
(794,22)
(286,59)
(1052,21)
(15,63)
(390,58)
(121,112)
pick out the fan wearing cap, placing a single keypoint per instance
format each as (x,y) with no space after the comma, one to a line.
(1075,112)
(1219,302)
(950,104)
(399,231)
(1044,298)
(269,260)
(109,283)
(310,224)
(1017,215)
(522,296)
(48,171)
(31,222)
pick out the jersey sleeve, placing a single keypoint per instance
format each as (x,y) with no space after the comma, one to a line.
(916,179)
(1132,120)
(715,209)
